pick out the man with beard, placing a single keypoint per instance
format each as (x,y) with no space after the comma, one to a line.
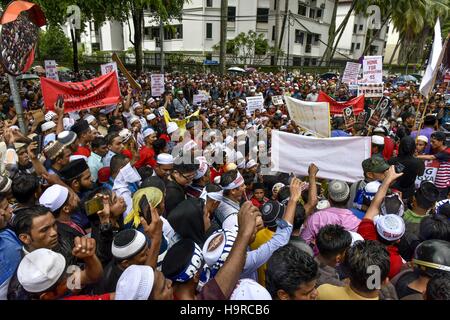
(77,176)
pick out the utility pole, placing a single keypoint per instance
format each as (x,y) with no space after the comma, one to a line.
(161,43)
(289,37)
(223,34)
(277,31)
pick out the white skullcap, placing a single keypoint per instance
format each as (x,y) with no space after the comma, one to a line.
(355,237)
(222,120)
(248,289)
(54,197)
(150,101)
(390,227)
(241,163)
(323,204)
(50,115)
(231,110)
(261,143)
(135,242)
(134,119)
(47,126)
(378,140)
(251,163)
(240,133)
(277,186)
(202,169)
(147,132)
(172,127)
(151,116)
(248,126)
(40,270)
(217,257)
(78,156)
(379,130)
(68,123)
(164,158)
(135,283)
(135,105)
(90,118)
(125,134)
(228,140)
(423,138)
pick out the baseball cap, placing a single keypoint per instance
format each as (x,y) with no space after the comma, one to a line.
(338,190)
(390,227)
(375,164)
(40,270)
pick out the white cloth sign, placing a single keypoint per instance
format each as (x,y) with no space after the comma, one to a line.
(373,69)
(314,116)
(157,83)
(351,73)
(371,90)
(108,67)
(431,168)
(198,98)
(433,62)
(50,70)
(254,103)
(294,153)
(277,100)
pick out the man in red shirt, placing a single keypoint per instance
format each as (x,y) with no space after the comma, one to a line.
(258,198)
(387,229)
(146,153)
(389,144)
(85,137)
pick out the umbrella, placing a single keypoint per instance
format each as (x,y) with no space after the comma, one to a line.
(236,69)
(250,69)
(27,77)
(328,76)
(62,69)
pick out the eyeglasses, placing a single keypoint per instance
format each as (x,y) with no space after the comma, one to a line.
(189,178)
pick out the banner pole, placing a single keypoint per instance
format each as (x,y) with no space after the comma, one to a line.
(17,104)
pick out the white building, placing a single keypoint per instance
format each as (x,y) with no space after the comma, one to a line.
(199,29)
(353,40)
(391,43)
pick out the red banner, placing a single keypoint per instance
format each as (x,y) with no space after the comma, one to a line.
(93,93)
(337,108)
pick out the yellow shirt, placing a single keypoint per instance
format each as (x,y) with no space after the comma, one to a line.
(330,292)
(262,236)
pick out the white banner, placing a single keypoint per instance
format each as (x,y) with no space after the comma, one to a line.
(373,69)
(199,98)
(351,73)
(108,67)
(277,100)
(157,83)
(371,90)
(314,116)
(294,153)
(431,168)
(50,70)
(254,103)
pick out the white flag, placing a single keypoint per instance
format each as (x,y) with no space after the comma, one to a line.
(433,62)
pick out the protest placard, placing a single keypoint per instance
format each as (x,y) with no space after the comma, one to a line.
(50,70)
(108,67)
(254,103)
(351,73)
(380,111)
(314,116)
(337,107)
(371,90)
(349,118)
(199,98)
(431,168)
(373,69)
(277,100)
(294,153)
(157,84)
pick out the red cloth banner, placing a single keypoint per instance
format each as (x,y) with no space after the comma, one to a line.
(337,108)
(93,93)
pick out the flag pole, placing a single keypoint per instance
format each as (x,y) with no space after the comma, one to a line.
(433,80)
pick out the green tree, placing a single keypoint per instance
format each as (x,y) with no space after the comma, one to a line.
(54,45)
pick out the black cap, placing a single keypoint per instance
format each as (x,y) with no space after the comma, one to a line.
(80,127)
(270,212)
(427,194)
(74,169)
(177,258)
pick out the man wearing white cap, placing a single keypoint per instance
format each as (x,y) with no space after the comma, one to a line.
(164,166)
(388,228)
(201,179)
(421,145)
(313,95)
(173,132)
(377,146)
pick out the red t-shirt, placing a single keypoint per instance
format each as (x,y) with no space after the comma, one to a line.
(146,157)
(127,153)
(82,151)
(165,137)
(388,148)
(258,204)
(367,230)
(105,296)
(215,173)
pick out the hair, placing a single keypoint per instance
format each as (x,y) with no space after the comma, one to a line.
(153,181)
(145,172)
(159,145)
(405,115)
(110,137)
(284,194)
(439,136)
(23,219)
(361,256)
(407,146)
(249,177)
(98,142)
(424,196)
(288,268)
(227,178)
(117,162)
(332,240)
(438,288)
(185,167)
(430,120)
(300,216)
(434,227)
(24,186)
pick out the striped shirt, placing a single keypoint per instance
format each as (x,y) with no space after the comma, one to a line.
(443,173)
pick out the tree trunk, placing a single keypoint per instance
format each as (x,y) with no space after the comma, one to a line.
(286,8)
(75,50)
(331,35)
(137,21)
(277,33)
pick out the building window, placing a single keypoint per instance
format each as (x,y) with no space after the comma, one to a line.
(273,33)
(96,46)
(299,36)
(314,61)
(231,14)
(209,3)
(262,15)
(352,47)
(361,27)
(319,13)
(309,38)
(307,60)
(297,61)
(301,10)
(209,31)
(316,39)
(355,28)
(147,33)
(275,3)
(312,13)
(154,33)
(373,50)
(358,46)
(92,24)
(174,32)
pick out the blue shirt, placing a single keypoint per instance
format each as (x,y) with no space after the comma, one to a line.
(339,133)
(10,254)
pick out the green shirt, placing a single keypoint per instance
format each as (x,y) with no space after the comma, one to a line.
(411,216)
